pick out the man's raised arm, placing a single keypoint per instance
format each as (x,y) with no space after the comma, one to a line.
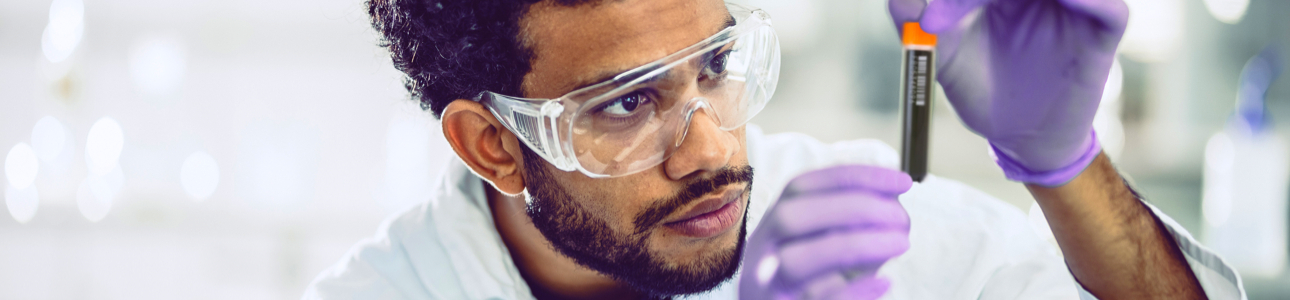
(1113,244)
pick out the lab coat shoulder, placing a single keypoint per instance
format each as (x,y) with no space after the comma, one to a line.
(443,248)
(380,267)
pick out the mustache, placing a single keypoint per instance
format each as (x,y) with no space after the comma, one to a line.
(692,191)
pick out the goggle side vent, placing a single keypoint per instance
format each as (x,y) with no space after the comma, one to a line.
(528,127)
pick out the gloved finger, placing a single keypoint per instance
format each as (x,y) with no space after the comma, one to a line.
(943,15)
(1114,14)
(905,11)
(838,210)
(824,286)
(866,288)
(846,250)
(849,177)
(759,275)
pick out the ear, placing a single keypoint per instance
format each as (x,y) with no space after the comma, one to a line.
(488,148)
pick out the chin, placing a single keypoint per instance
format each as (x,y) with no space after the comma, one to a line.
(680,250)
(706,266)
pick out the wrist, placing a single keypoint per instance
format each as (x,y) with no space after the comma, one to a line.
(1015,170)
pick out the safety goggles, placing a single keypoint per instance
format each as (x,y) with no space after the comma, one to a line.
(637,119)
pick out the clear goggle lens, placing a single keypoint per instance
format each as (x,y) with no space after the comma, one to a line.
(638,119)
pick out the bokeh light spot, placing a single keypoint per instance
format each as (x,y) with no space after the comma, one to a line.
(64,31)
(21,166)
(1227,11)
(157,64)
(1220,162)
(103,146)
(48,138)
(97,193)
(199,175)
(1155,30)
(22,203)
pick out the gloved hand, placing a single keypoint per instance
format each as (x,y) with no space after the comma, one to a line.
(828,234)
(1025,74)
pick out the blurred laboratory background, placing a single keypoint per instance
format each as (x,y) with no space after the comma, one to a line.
(234,149)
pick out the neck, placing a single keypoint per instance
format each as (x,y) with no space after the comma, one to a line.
(549,274)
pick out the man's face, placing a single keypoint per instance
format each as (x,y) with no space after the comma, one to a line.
(677,228)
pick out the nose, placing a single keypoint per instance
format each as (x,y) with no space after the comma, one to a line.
(704,148)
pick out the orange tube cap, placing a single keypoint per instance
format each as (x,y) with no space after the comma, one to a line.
(914,35)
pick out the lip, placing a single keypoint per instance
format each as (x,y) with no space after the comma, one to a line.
(710,217)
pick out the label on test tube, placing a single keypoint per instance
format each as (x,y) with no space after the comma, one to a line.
(917,73)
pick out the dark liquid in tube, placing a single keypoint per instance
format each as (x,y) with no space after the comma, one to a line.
(916,110)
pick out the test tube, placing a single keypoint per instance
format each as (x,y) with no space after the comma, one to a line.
(917,73)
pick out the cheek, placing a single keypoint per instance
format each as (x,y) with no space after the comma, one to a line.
(742,134)
(740,158)
(616,201)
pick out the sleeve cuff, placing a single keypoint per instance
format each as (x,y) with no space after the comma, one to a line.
(1014,171)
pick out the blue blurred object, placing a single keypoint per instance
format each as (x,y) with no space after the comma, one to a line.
(1256,78)
(1246,179)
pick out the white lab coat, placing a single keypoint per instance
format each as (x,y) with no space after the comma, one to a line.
(964,244)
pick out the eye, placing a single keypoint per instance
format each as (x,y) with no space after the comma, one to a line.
(717,65)
(625,105)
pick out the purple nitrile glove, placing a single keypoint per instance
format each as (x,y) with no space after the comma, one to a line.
(827,236)
(1025,74)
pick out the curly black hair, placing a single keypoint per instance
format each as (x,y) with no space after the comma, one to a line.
(455,49)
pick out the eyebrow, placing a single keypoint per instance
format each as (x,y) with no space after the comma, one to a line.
(610,74)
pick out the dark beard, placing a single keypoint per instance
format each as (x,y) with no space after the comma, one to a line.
(625,257)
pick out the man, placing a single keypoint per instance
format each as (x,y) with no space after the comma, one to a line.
(603,153)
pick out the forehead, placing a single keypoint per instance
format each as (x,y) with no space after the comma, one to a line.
(574,45)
